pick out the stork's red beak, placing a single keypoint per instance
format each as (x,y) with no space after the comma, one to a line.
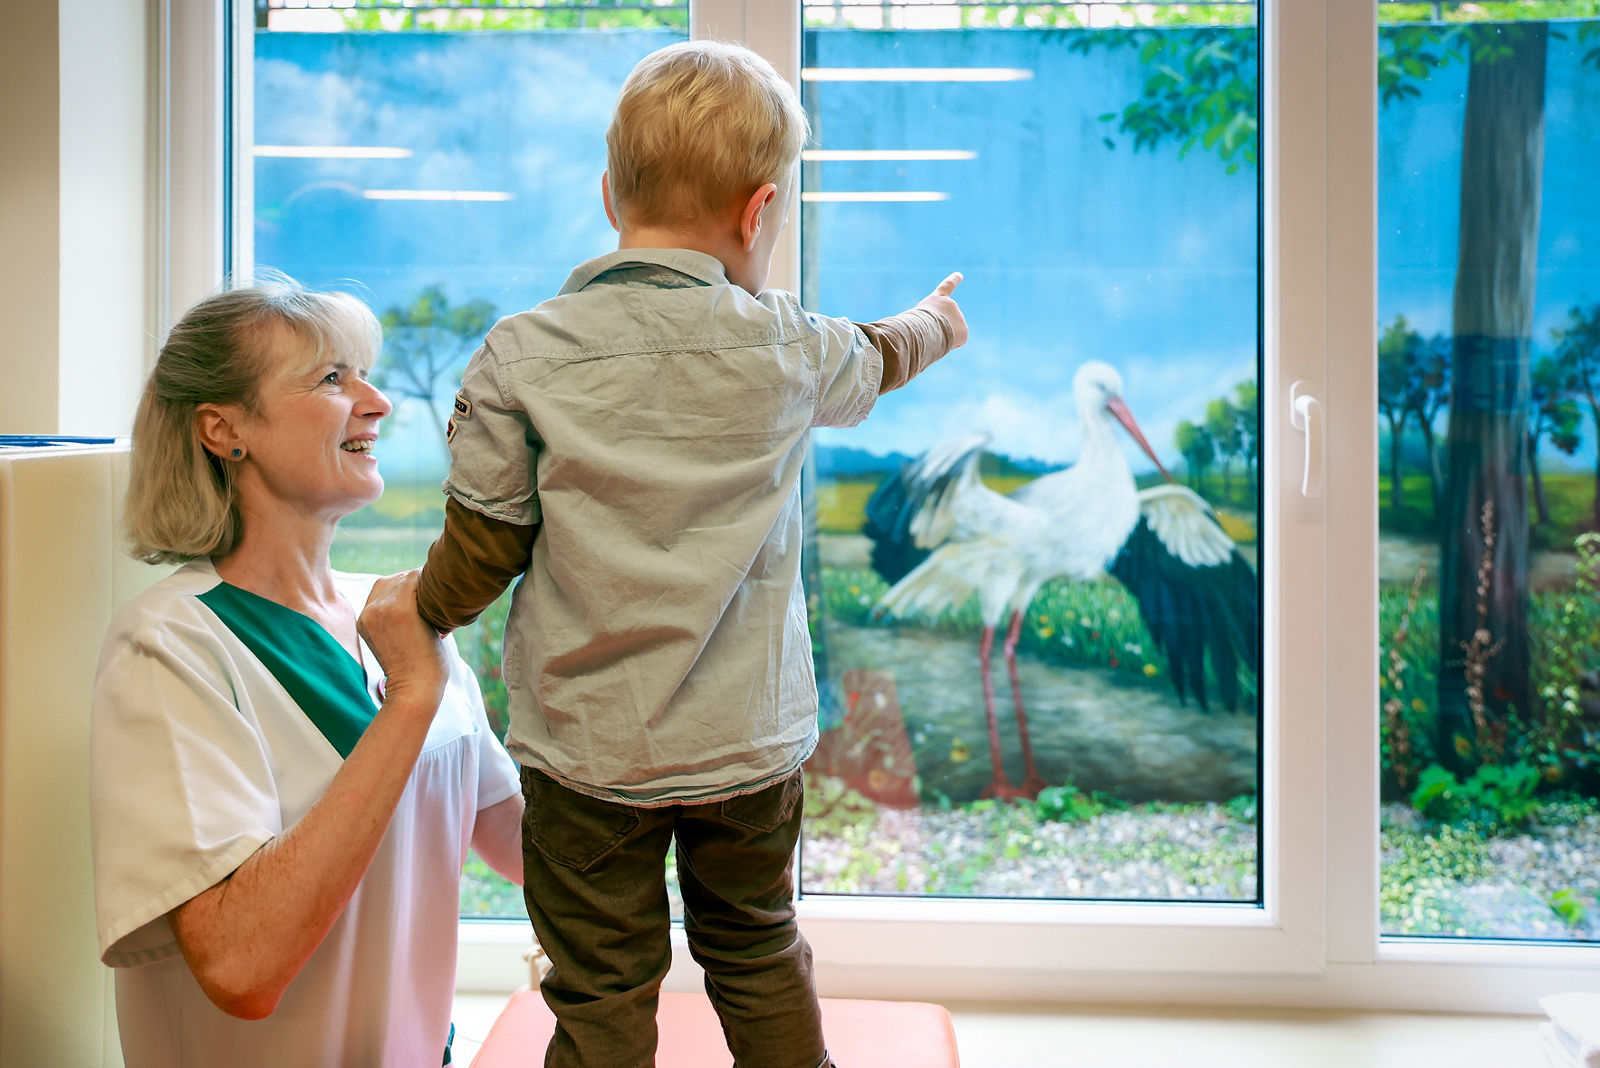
(1120,410)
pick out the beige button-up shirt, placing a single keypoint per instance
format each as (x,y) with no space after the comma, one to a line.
(653,418)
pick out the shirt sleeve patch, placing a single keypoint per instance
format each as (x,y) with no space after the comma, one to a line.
(463,409)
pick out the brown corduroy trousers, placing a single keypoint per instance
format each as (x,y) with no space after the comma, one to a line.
(595,884)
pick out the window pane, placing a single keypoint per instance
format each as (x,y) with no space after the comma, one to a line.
(1488,356)
(1093,171)
(445,166)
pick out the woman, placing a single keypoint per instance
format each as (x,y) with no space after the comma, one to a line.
(284,794)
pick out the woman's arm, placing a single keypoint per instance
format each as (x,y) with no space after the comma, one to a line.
(497,837)
(247,937)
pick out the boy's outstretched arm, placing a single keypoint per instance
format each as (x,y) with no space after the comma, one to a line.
(911,341)
(471,564)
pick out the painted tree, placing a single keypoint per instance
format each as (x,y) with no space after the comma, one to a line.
(1222,426)
(1197,449)
(1483,576)
(425,347)
(1247,414)
(1399,369)
(1578,354)
(1552,415)
(1430,398)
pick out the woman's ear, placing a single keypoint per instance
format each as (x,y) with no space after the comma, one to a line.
(754,211)
(217,427)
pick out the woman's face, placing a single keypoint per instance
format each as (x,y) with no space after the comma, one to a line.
(310,442)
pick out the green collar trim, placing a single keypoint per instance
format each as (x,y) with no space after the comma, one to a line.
(320,675)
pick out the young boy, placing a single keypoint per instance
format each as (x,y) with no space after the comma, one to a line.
(649,424)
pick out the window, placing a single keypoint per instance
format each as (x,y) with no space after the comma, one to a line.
(1107,219)
(1489,314)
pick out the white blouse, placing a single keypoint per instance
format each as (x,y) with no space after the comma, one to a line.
(199,755)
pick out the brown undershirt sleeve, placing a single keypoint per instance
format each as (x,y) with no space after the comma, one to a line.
(470,565)
(910,342)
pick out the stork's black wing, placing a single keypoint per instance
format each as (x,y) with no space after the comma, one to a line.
(1197,595)
(930,482)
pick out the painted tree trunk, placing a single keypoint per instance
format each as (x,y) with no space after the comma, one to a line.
(1435,476)
(1397,429)
(1594,417)
(1483,582)
(1541,508)
(1597,490)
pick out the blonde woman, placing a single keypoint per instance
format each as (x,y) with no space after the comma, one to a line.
(288,765)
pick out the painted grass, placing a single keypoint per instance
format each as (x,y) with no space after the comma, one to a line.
(1076,624)
(1569,496)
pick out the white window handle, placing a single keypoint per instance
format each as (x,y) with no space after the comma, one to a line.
(1305,415)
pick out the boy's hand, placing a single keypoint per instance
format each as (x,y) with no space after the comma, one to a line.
(942,302)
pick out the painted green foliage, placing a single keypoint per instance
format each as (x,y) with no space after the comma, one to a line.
(425,345)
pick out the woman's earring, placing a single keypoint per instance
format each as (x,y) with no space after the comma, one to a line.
(238,454)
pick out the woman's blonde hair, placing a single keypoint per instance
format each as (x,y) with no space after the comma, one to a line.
(698,124)
(182,502)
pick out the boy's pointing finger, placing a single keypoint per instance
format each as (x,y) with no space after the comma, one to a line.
(948,286)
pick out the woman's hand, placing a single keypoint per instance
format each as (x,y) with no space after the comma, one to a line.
(411,652)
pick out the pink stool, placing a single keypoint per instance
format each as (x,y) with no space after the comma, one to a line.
(861,1034)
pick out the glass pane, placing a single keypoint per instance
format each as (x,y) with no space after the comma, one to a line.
(1488,367)
(999,558)
(445,166)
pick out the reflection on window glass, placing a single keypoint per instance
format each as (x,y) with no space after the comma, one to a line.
(1488,373)
(1033,571)
(444,166)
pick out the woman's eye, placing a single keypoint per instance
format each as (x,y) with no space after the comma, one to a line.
(332,378)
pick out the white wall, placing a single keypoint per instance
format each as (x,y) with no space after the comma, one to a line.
(75,232)
(63,572)
(76,289)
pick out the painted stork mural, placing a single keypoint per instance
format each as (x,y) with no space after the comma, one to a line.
(941,537)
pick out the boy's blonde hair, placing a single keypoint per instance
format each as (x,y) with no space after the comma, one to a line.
(182,502)
(698,125)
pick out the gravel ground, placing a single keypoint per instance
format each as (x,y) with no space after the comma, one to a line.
(1202,852)
(1542,884)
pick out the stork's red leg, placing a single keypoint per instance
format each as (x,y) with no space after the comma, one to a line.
(999,787)
(1032,783)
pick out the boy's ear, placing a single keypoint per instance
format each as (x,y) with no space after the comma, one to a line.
(754,210)
(605,195)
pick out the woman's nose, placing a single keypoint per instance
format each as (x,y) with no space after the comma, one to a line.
(377,405)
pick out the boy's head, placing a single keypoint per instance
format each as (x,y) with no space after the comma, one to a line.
(699,126)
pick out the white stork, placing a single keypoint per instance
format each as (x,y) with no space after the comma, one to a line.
(940,536)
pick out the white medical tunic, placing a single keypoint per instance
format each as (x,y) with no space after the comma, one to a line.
(200,753)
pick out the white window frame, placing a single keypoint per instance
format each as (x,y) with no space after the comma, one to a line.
(1315,941)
